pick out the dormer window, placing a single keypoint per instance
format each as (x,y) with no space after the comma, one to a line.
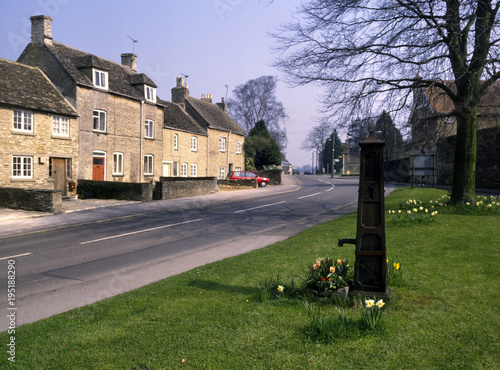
(100,79)
(150,93)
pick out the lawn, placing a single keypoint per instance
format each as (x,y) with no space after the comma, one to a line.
(443,312)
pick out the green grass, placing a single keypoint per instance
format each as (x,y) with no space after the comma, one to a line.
(443,312)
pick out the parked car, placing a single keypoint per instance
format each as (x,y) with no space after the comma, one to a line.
(307,173)
(295,172)
(239,175)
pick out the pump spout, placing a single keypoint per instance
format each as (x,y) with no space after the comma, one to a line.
(346,241)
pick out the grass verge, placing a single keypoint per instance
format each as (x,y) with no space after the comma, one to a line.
(443,312)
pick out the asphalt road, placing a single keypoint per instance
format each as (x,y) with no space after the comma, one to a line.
(58,270)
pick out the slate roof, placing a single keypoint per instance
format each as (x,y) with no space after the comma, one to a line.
(121,78)
(176,117)
(441,103)
(27,87)
(211,116)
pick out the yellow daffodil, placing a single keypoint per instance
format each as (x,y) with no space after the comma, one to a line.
(380,303)
(281,288)
(369,303)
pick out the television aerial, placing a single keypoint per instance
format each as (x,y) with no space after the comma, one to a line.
(134,41)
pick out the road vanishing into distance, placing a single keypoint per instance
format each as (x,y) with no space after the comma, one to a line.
(57,270)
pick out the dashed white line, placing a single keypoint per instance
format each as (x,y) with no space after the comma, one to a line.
(140,231)
(266,205)
(310,195)
(18,255)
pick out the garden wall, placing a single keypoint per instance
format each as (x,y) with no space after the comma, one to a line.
(179,187)
(276,176)
(142,192)
(32,199)
(237,184)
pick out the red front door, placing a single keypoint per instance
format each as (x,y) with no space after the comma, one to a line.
(98,168)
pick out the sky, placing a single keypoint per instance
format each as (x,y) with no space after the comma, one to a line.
(214,42)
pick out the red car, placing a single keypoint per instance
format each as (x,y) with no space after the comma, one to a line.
(239,175)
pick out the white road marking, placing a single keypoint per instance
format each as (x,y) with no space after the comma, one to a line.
(141,231)
(266,205)
(310,195)
(18,255)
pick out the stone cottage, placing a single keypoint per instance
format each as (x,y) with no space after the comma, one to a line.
(38,131)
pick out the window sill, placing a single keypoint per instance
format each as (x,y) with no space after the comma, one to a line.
(22,179)
(60,137)
(99,132)
(26,133)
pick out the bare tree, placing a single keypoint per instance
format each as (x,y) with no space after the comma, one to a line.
(317,136)
(367,51)
(256,101)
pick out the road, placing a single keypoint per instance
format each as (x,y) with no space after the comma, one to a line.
(58,270)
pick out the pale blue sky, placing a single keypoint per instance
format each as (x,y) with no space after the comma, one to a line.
(215,42)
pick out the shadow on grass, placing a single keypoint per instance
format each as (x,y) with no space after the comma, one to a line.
(226,288)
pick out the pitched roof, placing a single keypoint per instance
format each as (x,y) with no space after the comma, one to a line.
(27,87)
(176,117)
(211,116)
(122,79)
(441,102)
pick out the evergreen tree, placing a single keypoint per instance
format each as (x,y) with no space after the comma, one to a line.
(326,157)
(260,148)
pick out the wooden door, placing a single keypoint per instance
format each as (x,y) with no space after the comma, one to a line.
(166,169)
(98,168)
(59,174)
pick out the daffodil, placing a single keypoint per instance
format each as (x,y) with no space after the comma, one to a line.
(369,303)
(281,288)
(380,303)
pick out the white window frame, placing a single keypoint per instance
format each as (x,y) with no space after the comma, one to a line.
(60,126)
(222,173)
(194,170)
(194,144)
(149,129)
(150,93)
(117,163)
(238,147)
(22,120)
(184,169)
(99,114)
(100,78)
(22,167)
(148,164)
(176,141)
(222,144)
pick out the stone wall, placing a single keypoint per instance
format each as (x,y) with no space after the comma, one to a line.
(276,176)
(175,187)
(142,192)
(31,199)
(237,184)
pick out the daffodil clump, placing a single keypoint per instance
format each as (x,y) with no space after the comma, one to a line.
(372,312)
(394,272)
(418,213)
(327,274)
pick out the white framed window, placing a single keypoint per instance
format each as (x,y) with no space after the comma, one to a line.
(23,120)
(184,170)
(22,167)
(194,144)
(175,169)
(60,126)
(176,141)
(148,164)
(117,163)
(237,168)
(222,144)
(99,120)
(149,128)
(194,170)
(100,79)
(238,147)
(150,93)
(222,173)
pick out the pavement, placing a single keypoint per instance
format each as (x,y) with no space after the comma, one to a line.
(15,222)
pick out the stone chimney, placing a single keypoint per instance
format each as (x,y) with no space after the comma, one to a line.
(222,105)
(41,30)
(180,92)
(130,60)
(206,97)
